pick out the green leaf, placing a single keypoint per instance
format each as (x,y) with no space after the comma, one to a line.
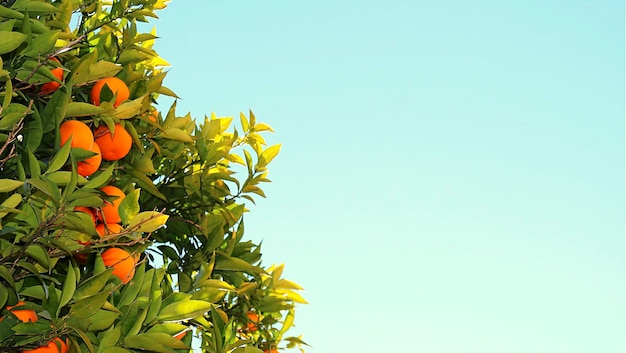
(165,340)
(92,285)
(103,69)
(7,185)
(11,115)
(148,221)
(31,328)
(39,254)
(35,6)
(69,287)
(33,164)
(9,41)
(115,350)
(10,13)
(4,295)
(6,275)
(10,204)
(184,310)
(65,178)
(90,305)
(145,183)
(80,72)
(102,320)
(177,135)
(55,110)
(8,92)
(227,263)
(109,339)
(211,295)
(268,154)
(59,158)
(42,44)
(155,294)
(130,292)
(77,109)
(244,122)
(101,179)
(129,207)
(155,82)
(144,343)
(33,131)
(128,109)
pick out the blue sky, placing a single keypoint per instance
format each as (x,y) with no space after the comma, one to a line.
(452,173)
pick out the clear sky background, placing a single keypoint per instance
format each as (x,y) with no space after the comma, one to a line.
(452,172)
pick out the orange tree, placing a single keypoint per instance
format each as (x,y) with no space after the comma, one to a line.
(121,224)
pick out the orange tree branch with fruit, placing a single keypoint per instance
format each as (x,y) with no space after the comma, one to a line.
(121,223)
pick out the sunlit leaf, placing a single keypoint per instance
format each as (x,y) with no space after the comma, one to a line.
(184,310)
(148,221)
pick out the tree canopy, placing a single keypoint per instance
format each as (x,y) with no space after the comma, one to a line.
(122,222)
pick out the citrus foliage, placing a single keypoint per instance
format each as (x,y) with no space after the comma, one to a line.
(115,249)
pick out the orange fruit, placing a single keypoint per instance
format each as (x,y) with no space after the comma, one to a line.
(52,86)
(109,212)
(25,315)
(91,164)
(61,346)
(117,86)
(109,228)
(254,319)
(122,262)
(271,351)
(51,347)
(113,146)
(81,134)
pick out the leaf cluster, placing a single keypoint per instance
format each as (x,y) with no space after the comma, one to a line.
(197,278)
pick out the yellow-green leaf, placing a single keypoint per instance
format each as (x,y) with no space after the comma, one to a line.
(7,185)
(9,41)
(184,310)
(148,221)
(176,134)
(75,109)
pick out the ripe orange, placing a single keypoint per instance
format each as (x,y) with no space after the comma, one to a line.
(61,346)
(254,320)
(122,262)
(117,86)
(81,134)
(113,146)
(52,86)
(25,315)
(51,347)
(110,228)
(109,212)
(271,351)
(91,164)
